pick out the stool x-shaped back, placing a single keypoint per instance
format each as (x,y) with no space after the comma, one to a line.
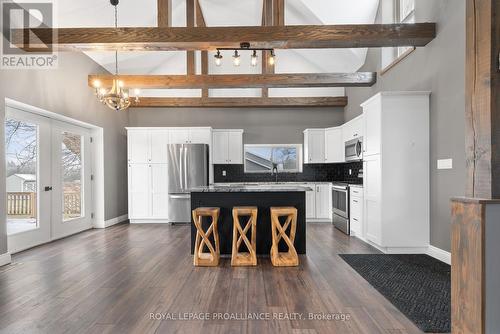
(278,232)
(240,235)
(201,258)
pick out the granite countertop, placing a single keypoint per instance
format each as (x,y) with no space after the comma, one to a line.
(236,188)
(268,183)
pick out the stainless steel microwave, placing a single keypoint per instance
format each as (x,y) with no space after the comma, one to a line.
(354,149)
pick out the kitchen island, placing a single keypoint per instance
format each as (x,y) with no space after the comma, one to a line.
(263,197)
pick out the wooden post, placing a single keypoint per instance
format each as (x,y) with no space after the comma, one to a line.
(475,263)
(190,19)
(273,14)
(164,9)
(482,95)
(200,22)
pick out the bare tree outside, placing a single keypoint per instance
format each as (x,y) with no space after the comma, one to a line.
(21,144)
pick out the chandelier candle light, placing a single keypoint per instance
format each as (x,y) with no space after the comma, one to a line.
(245,46)
(118,97)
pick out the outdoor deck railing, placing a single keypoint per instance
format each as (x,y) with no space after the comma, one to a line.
(24,204)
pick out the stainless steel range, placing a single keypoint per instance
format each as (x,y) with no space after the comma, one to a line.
(340,203)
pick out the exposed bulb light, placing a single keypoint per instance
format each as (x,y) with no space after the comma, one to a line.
(253,59)
(97,84)
(236,59)
(272,58)
(218,58)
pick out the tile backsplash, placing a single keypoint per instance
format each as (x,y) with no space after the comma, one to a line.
(310,173)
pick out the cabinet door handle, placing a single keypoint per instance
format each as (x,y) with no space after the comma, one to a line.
(355,219)
(355,201)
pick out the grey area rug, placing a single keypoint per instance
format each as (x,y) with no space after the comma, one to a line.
(418,285)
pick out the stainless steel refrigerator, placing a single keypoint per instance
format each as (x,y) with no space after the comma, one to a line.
(187,168)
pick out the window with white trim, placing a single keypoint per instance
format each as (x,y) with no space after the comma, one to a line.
(404,11)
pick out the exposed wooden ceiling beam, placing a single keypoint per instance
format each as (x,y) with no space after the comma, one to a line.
(164,9)
(240,102)
(358,79)
(209,38)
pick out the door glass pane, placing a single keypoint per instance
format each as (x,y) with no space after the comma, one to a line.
(71,170)
(21,153)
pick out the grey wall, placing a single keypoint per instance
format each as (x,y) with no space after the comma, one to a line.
(439,68)
(262,126)
(65,91)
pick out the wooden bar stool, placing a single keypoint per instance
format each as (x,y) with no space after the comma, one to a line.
(278,232)
(240,235)
(201,258)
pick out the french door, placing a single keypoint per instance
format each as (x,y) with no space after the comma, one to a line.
(48,179)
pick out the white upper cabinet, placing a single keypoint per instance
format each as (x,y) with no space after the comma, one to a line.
(190,136)
(353,129)
(235,151)
(159,146)
(220,140)
(178,136)
(227,146)
(138,146)
(314,146)
(147,146)
(373,125)
(334,145)
(200,136)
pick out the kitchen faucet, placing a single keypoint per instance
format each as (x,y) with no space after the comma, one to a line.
(274,171)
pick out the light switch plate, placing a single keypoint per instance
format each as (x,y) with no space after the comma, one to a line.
(445,164)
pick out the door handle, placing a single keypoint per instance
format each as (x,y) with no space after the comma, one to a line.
(48,188)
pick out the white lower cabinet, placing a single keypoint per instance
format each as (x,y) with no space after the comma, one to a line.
(311,201)
(159,191)
(323,201)
(356,211)
(319,202)
(138,191)
(148,192)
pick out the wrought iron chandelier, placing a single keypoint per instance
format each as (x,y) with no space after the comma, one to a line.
(118,97)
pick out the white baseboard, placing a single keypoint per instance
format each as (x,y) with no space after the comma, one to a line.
(116,220)
(439,254)
(5,259)
(150,221)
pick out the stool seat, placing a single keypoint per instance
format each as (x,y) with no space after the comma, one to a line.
(278,232)
(211,258)
(240,236)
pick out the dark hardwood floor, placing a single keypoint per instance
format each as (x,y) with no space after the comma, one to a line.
(110,281)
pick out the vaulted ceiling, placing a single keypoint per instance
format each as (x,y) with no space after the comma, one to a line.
(143,13)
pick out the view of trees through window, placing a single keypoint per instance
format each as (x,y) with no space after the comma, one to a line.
(262,158)
(71,167)
(21,152)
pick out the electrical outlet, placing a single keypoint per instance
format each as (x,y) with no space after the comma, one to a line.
(350,171)
(223,173)
(445,164)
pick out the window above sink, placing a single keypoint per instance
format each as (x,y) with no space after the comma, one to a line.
(261,158)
